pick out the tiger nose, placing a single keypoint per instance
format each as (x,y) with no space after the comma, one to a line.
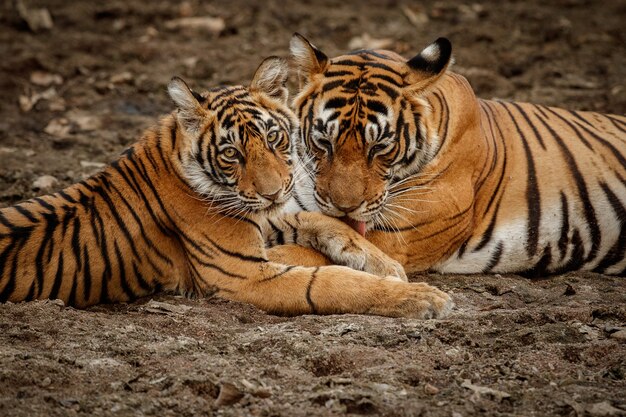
(347,209)
(273,196)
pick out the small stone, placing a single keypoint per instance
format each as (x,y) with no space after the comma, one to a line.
(365,41)
(85,122)
(45,382)
(45,79)
(45,182)
(28,102)
(604,408)
(159,307)
(211,25)
(37,19)
(58,127)
(121,78)
(431,389)
(619,335)
(229,395)
(92,164)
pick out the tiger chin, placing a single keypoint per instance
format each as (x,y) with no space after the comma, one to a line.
(187,209)
(443,181)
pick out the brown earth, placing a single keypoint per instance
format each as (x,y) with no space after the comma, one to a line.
(513,346)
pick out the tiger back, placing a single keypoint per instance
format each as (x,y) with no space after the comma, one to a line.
(440,180)
(189,209)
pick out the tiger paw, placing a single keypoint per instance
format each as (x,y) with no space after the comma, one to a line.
(368,258)
(413,300)
(382,265)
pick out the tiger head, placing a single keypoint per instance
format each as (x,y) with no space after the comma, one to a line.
(235,150)
(362,124)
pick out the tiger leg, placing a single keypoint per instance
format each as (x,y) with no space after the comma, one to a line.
(334,239)
(296,255)
(289,290)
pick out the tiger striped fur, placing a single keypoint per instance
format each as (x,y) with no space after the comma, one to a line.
(447,182)
(188,209)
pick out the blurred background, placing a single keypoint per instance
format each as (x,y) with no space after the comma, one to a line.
(80,80)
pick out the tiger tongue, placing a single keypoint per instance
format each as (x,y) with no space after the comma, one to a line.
(357,225)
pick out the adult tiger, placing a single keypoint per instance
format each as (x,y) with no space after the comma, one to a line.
(444,181)
(184,210)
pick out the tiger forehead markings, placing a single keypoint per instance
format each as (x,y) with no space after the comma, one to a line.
(190,208)
(403,150)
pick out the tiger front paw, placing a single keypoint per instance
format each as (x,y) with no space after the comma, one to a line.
(413,300)
(382,265)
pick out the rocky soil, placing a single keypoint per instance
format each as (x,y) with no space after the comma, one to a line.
(80,80)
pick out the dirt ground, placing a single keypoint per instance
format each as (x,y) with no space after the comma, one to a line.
(76,94)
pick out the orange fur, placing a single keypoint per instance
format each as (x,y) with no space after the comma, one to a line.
(452,183)
(189,209)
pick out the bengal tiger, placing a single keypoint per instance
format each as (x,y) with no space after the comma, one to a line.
(443,181)
(188,209)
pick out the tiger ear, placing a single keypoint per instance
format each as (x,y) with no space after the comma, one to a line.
(307,58)
(271,78)
(189,103)
(429,65)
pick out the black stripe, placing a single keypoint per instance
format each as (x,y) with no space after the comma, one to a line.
(495,258)
(618,250)
(76,244)
(71,301)
(616,122)
(279,274)
(376,106)
(331,85)
(51,222)
(44,204)
(589,211)
(240,256)
(25,213)
(143,284)
(58,279)
(121,268)
(116,216)
(335,103)
(144,235)
(309,300)
(9,287)
(529,123)
(533,198)
(541,267)
(86,276)
(572,126)
(67,197)
(563,239)
(392,92)
(280,238)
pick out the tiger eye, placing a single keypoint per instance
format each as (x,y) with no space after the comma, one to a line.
(230,152)
(273,137)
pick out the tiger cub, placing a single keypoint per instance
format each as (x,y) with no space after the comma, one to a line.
(188,209)
(440,180)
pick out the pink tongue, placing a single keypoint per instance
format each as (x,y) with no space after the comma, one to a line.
(357,225)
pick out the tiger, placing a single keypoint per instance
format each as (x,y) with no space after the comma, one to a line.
(188,209)
(442,181)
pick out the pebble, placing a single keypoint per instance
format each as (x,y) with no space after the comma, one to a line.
(45,79)
(58,127)
(45,182)
(229,395)
(604,408)
(212,25)
(121,78)
(431,389)
(619,335)
(45,382)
